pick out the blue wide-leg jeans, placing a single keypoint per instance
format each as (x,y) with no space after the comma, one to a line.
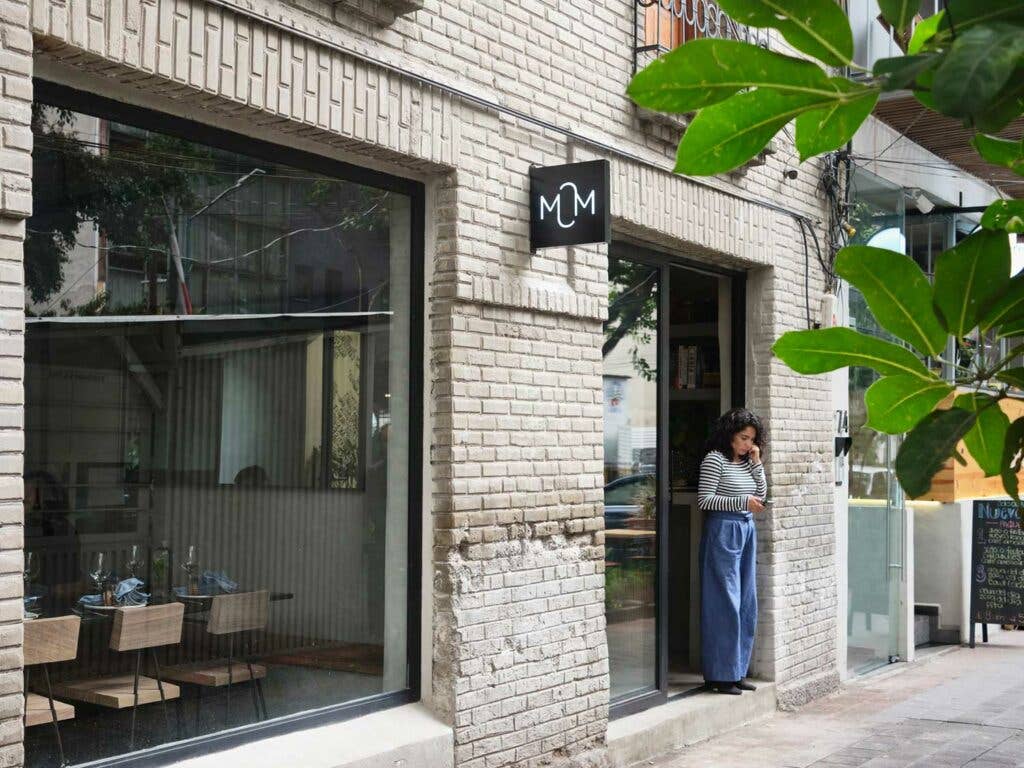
(728,565)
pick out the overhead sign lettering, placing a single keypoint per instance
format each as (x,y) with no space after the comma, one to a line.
(570,204)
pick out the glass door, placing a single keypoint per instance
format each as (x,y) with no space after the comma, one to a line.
(877,515)
(673,345)
(631,475)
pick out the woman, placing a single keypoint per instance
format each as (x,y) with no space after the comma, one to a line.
(731,491)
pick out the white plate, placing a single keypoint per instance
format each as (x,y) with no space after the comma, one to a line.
(197,598)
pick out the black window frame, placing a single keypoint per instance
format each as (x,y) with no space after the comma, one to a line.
(57,95)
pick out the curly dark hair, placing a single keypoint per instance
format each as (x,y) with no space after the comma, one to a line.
(728,424)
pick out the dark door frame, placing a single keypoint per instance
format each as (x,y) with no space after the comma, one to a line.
(665,263)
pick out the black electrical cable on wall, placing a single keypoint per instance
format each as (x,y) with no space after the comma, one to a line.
(807,273)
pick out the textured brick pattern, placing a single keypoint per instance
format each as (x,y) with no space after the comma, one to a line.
(12,322)
(15,111)
(519,550)
(514,376)
(15,206)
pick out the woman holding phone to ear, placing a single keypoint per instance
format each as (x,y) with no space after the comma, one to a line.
(732,489)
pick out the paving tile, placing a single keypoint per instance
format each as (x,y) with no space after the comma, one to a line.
(964,709)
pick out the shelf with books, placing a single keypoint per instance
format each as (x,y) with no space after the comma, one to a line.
(694,366)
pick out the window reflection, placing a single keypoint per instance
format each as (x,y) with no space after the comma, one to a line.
(875,508)
(630,448)
(217,447)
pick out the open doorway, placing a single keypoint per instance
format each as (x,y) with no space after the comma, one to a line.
(672,350)
(700,356)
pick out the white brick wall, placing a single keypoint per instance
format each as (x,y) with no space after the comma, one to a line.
(519,654)
(15,206)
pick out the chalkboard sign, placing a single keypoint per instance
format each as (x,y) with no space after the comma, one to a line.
(997,564)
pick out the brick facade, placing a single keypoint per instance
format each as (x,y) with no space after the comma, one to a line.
(519,657)
(15,207)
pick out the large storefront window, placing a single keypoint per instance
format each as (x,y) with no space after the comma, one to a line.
(220,426)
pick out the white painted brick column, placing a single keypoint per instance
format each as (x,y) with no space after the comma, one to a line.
(15,207)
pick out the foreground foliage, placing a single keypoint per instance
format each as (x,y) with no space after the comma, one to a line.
(966,62)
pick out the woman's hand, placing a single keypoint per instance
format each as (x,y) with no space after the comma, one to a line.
(754,505)
(755,454)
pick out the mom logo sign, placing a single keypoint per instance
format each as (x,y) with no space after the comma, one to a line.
(570,204)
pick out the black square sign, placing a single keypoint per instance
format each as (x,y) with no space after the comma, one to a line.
(570,204)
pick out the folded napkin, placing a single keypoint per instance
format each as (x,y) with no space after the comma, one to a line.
(126,593)
(216,580)
(211,583)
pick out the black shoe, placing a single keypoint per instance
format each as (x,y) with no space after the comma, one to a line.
(743,685)
(727,688)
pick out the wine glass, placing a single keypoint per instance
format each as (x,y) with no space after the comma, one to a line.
(97,570)
(134,559)
(191,566)
(31,571)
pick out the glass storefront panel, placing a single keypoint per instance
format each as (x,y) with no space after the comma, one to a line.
(876,509)
(218,437)
(630,474)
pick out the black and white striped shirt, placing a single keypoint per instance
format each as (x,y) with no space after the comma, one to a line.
(724,485)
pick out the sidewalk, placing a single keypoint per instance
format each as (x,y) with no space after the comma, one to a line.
(961,708)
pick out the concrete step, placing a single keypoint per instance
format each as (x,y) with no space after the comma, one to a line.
(683,721)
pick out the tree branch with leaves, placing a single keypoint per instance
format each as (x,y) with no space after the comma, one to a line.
(966,62)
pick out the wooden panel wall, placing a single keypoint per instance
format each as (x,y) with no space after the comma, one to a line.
(955,481)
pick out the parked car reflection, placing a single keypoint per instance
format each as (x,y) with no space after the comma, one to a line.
(629,502)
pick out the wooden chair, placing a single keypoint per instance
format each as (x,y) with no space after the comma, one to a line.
(241,614)
(48,641)
(135,629)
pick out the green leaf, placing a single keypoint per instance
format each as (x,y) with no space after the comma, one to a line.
(1012,327)
(925,98)
(815,27)
(896,403)
(969,277)
(822,130)
(979,63)
(1005,152)
(1013,453)
(963,14)
(897,292)
(902,71)
(1008,307)
(1007,215)
(1005,108)
(707,71)
(726,135)
(986,438)
(923,92)
(926,448)
(899,13)
(829,349)
(1012,376)
(924,32)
